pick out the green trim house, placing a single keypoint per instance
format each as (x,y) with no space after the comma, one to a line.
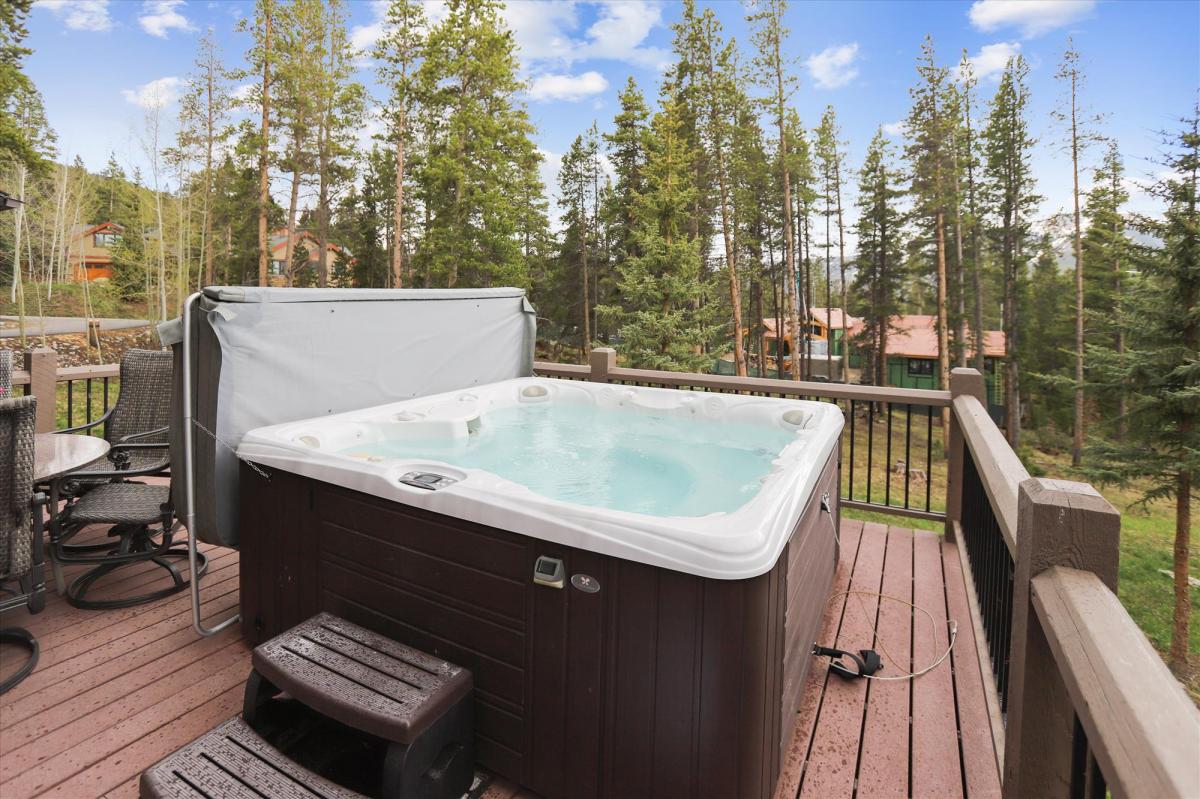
(912,356)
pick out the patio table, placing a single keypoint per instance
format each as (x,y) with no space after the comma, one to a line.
(56,454)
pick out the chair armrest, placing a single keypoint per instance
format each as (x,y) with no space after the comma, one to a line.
(134,445)
(131,437)
(88,425)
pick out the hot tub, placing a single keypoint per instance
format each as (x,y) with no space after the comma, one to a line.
(634,575)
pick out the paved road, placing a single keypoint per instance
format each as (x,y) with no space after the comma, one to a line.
(62,324)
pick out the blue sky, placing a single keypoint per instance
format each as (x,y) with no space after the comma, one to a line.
(97,62)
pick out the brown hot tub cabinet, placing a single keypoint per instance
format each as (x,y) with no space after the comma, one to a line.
(660,684)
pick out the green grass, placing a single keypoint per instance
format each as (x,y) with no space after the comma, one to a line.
(79,399)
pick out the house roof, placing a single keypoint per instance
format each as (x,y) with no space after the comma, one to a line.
(834,317)
(78,231)
(915,336)
(279,237)
(818,315)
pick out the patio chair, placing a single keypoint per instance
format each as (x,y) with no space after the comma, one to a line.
(143,522)
(136,424)
(6,373)
(20,527)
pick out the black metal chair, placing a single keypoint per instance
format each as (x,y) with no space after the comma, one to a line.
(104,491)
(20,527)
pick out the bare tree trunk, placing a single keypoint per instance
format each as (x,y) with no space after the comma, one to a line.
(735,292)
(837,184)
(1077,439)
(206,248)
(264,182)
(959,280)
(398,213)
(1181,625)
(943,322)
(293,200)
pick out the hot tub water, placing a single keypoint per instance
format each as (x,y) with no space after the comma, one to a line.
(656,464)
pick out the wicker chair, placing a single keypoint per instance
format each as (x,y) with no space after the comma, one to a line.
(103,492)
(136,425)
(6,373)
(20,526)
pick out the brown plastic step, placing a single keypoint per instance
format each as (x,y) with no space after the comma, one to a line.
(232,762)
(359,678)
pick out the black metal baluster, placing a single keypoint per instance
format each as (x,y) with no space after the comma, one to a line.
(907,450)
(887,468)
(928,454)
(851,490)
(870,446)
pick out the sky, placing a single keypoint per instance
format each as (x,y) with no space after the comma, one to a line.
(99,63)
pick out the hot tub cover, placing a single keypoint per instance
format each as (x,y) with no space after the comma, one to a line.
(264,356)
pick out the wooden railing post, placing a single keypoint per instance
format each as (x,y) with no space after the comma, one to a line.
(969,382)
(42,365)
(602,361)
(1059,523)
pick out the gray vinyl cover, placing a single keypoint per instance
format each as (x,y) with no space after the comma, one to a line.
(264,356)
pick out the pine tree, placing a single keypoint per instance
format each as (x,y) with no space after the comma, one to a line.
(771,72)
(930,153)
(970,162)
(718,95)
(1078,138)
(831,159)
(478,149)
(16,144)
(1048,300)
(338,101)
(1160,370)
(1009,187)
(663,318)
(299,46)
(879,263)
(400,52)
(1106,249)
(579,199)
(261,57)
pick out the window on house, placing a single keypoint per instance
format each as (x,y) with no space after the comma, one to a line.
(106,239)
(276,268)
(920,367)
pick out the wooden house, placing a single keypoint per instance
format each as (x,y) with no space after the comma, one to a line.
(90,250)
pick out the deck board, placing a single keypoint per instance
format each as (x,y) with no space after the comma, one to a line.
(115,691)
(908,743)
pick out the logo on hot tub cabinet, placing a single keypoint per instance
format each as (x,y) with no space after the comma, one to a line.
(585,583)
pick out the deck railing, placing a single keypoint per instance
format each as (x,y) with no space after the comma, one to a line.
(1080,702)
(82,393)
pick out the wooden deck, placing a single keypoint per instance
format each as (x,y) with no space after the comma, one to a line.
(117,690)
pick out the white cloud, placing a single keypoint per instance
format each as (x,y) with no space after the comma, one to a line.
(893,129)
(619,31)
(160,17)
(833,67)
(364,37)
(1031,17)
(155,94)
(991,59)
(79,15)
(546,33)
(567,87)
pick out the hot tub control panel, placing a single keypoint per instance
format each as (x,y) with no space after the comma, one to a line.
(549,572)
(427,480)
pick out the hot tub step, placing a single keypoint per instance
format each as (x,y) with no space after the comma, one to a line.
(420,704)
(232,762)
